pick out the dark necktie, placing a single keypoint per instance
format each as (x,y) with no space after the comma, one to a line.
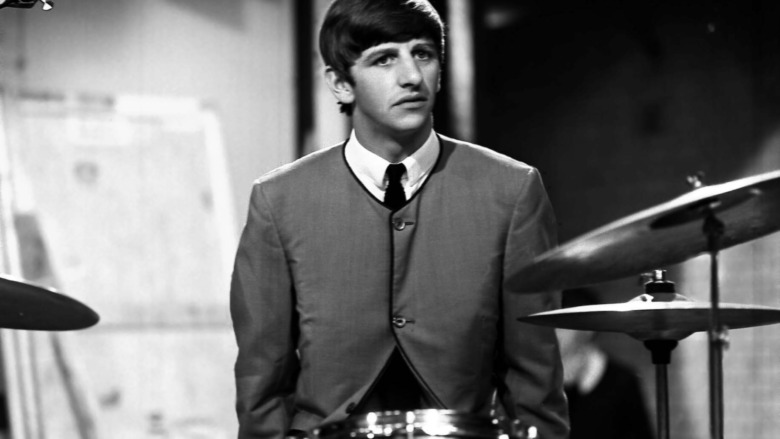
(394,194)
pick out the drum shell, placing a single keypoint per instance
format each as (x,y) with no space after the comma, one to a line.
(420,424)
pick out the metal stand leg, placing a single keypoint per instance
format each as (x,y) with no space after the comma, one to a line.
(713,229)
(661,351)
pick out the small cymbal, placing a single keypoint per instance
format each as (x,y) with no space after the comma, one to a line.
(31,307)
(655,320)
(660,236)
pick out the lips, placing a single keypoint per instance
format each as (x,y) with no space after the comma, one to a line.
(412,100)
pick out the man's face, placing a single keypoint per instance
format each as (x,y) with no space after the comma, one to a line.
(395,86)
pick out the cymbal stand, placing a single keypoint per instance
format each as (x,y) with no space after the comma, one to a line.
(713,229)
(661,352)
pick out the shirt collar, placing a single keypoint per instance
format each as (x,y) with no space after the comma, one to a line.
(371,167)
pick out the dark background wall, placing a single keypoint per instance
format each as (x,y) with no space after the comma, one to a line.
(617,102)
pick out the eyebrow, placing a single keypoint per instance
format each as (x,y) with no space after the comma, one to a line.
(380,52)
(425,44)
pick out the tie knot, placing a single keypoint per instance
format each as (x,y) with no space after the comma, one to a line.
(395,172)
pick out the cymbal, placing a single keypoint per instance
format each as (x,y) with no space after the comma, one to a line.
(663,235)
(655,320)
(31,307)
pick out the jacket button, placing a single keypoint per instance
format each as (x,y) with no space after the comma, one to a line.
(399,322)
(350,407)
(399,224)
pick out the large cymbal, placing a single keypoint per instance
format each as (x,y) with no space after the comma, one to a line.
(655,320)
(660,236)
(27,306)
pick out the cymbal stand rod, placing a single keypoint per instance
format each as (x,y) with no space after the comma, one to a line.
(661,353)
(714,228)
(662,395)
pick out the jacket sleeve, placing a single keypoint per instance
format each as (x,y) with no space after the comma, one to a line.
(532,370)
(262,307)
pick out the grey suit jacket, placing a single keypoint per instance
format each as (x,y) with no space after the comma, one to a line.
(328,281)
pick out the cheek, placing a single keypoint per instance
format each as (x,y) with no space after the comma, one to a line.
(372,93)
(367,102)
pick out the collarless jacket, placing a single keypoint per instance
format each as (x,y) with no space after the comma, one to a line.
(328,282)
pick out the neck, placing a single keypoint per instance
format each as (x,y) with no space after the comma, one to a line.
(393,147)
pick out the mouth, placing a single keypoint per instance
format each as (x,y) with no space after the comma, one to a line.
(412,101)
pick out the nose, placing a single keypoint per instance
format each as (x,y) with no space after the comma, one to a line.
(409,74)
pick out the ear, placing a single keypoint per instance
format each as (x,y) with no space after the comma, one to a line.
(339,86)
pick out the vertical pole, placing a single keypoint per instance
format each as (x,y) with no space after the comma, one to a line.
(460,68)
(661,353)
(16,348)
(713,230)
(662,401)
(304,92)
(715,354)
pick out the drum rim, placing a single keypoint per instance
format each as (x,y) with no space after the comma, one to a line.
(426,422)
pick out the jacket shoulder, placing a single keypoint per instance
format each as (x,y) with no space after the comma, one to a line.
(471,154)
(307,168)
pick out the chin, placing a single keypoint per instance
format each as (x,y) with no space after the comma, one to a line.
(412,123)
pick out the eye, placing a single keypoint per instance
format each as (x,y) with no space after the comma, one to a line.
(424,54)
(383,60)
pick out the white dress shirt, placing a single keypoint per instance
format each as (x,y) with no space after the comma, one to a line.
(370,168)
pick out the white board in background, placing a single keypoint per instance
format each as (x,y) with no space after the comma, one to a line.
(132,198)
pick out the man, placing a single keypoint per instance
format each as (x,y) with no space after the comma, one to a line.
(360,286)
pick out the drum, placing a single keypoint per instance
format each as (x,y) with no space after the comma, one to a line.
(422,424)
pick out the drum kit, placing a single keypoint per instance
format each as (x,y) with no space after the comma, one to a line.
(706,220)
